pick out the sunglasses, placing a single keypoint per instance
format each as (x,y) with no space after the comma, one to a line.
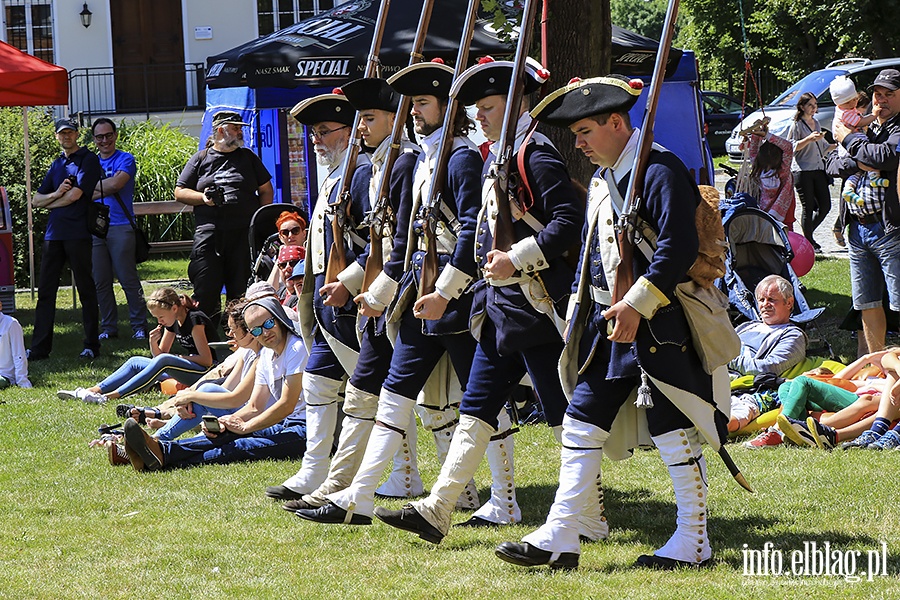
(257,331)
(291,231)
(292,263)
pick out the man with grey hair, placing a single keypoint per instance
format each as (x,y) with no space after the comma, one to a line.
(225,183)
(773,344)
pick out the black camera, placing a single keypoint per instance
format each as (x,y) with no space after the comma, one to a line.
(73,181)
(217,194)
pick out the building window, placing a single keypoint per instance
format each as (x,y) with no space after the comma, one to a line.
(28,25)
(278,14)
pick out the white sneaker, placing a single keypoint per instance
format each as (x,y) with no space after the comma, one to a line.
(81,394)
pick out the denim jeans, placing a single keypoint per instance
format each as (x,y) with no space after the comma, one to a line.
(115,255)
(139,372)
(285,440)
(874,262)
(176,425)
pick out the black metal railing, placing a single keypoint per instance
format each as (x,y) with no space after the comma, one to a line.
(138,89)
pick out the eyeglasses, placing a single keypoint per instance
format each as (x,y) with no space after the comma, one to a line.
(257,331)
(232,333)
(104,136)
(291,231)
(320,135)
(292,263)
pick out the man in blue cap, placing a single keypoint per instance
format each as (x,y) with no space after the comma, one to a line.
(613,347)
(66,192)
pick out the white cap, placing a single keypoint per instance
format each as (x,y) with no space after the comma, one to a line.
(842,89)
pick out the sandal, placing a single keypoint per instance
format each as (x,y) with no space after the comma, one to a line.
(124,411)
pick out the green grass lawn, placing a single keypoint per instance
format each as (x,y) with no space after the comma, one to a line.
(73,527)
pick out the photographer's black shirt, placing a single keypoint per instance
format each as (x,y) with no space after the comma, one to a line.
(239,172)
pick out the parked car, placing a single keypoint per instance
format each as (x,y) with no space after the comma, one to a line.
(721,113)
(781,110)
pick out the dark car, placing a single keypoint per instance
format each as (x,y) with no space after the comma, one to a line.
(722,113)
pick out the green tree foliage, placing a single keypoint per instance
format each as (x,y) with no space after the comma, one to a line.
(159,150)
(786,37)
(644,17)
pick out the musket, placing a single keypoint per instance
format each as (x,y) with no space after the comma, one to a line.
(430,265)
(626,229)
(340,209)
(380,213)
(504,235)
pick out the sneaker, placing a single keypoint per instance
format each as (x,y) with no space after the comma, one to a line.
(889,441)
(140,334)
(106,335)
(32,357)
(83,394)
(825,436)
(863,441)
(88,353)
(796,432)
(767,439)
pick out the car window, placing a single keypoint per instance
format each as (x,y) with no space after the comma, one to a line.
(731,106)
(720,105)
(816,83)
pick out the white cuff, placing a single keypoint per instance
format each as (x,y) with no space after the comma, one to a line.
(645,298)
(382,290)
(527,256)
(452,282)
(352,278)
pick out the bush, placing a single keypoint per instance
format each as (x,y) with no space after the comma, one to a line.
(160,151)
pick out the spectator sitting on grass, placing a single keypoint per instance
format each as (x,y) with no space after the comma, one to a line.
(819,391)
(271,425)
(13,362)
(774,344)
(178,320)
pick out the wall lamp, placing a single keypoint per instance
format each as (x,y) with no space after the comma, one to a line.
(85,15)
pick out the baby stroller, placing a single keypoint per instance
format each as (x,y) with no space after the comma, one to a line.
(264,240)
(757,247)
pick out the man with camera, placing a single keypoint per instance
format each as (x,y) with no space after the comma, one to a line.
(225,183)
(66,191)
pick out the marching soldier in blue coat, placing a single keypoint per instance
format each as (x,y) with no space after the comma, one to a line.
(518,309)
(437,323)
(641,340)
(326,310)
(377,104)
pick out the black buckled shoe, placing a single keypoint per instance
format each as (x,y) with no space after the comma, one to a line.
(661,563)
(332,513)
(526,555)
(409,519)
(279,492)
(477,522)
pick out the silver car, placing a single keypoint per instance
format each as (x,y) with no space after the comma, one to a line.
(781,111)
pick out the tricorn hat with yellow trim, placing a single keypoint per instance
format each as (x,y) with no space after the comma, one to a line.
(324,107)
(583,98)
(423,79)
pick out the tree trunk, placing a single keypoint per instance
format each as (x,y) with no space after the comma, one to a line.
(579,45)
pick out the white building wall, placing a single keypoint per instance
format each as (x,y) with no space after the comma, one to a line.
(233,23)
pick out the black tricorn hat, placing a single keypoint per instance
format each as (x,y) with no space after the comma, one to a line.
(367,93)
(324,107)
(423,79)
(491,78)
(583,98)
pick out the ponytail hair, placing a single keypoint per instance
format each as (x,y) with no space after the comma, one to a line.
(168,298)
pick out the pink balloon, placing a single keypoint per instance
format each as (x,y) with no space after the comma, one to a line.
(804,254)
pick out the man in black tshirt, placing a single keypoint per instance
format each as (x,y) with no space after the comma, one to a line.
(225,183)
